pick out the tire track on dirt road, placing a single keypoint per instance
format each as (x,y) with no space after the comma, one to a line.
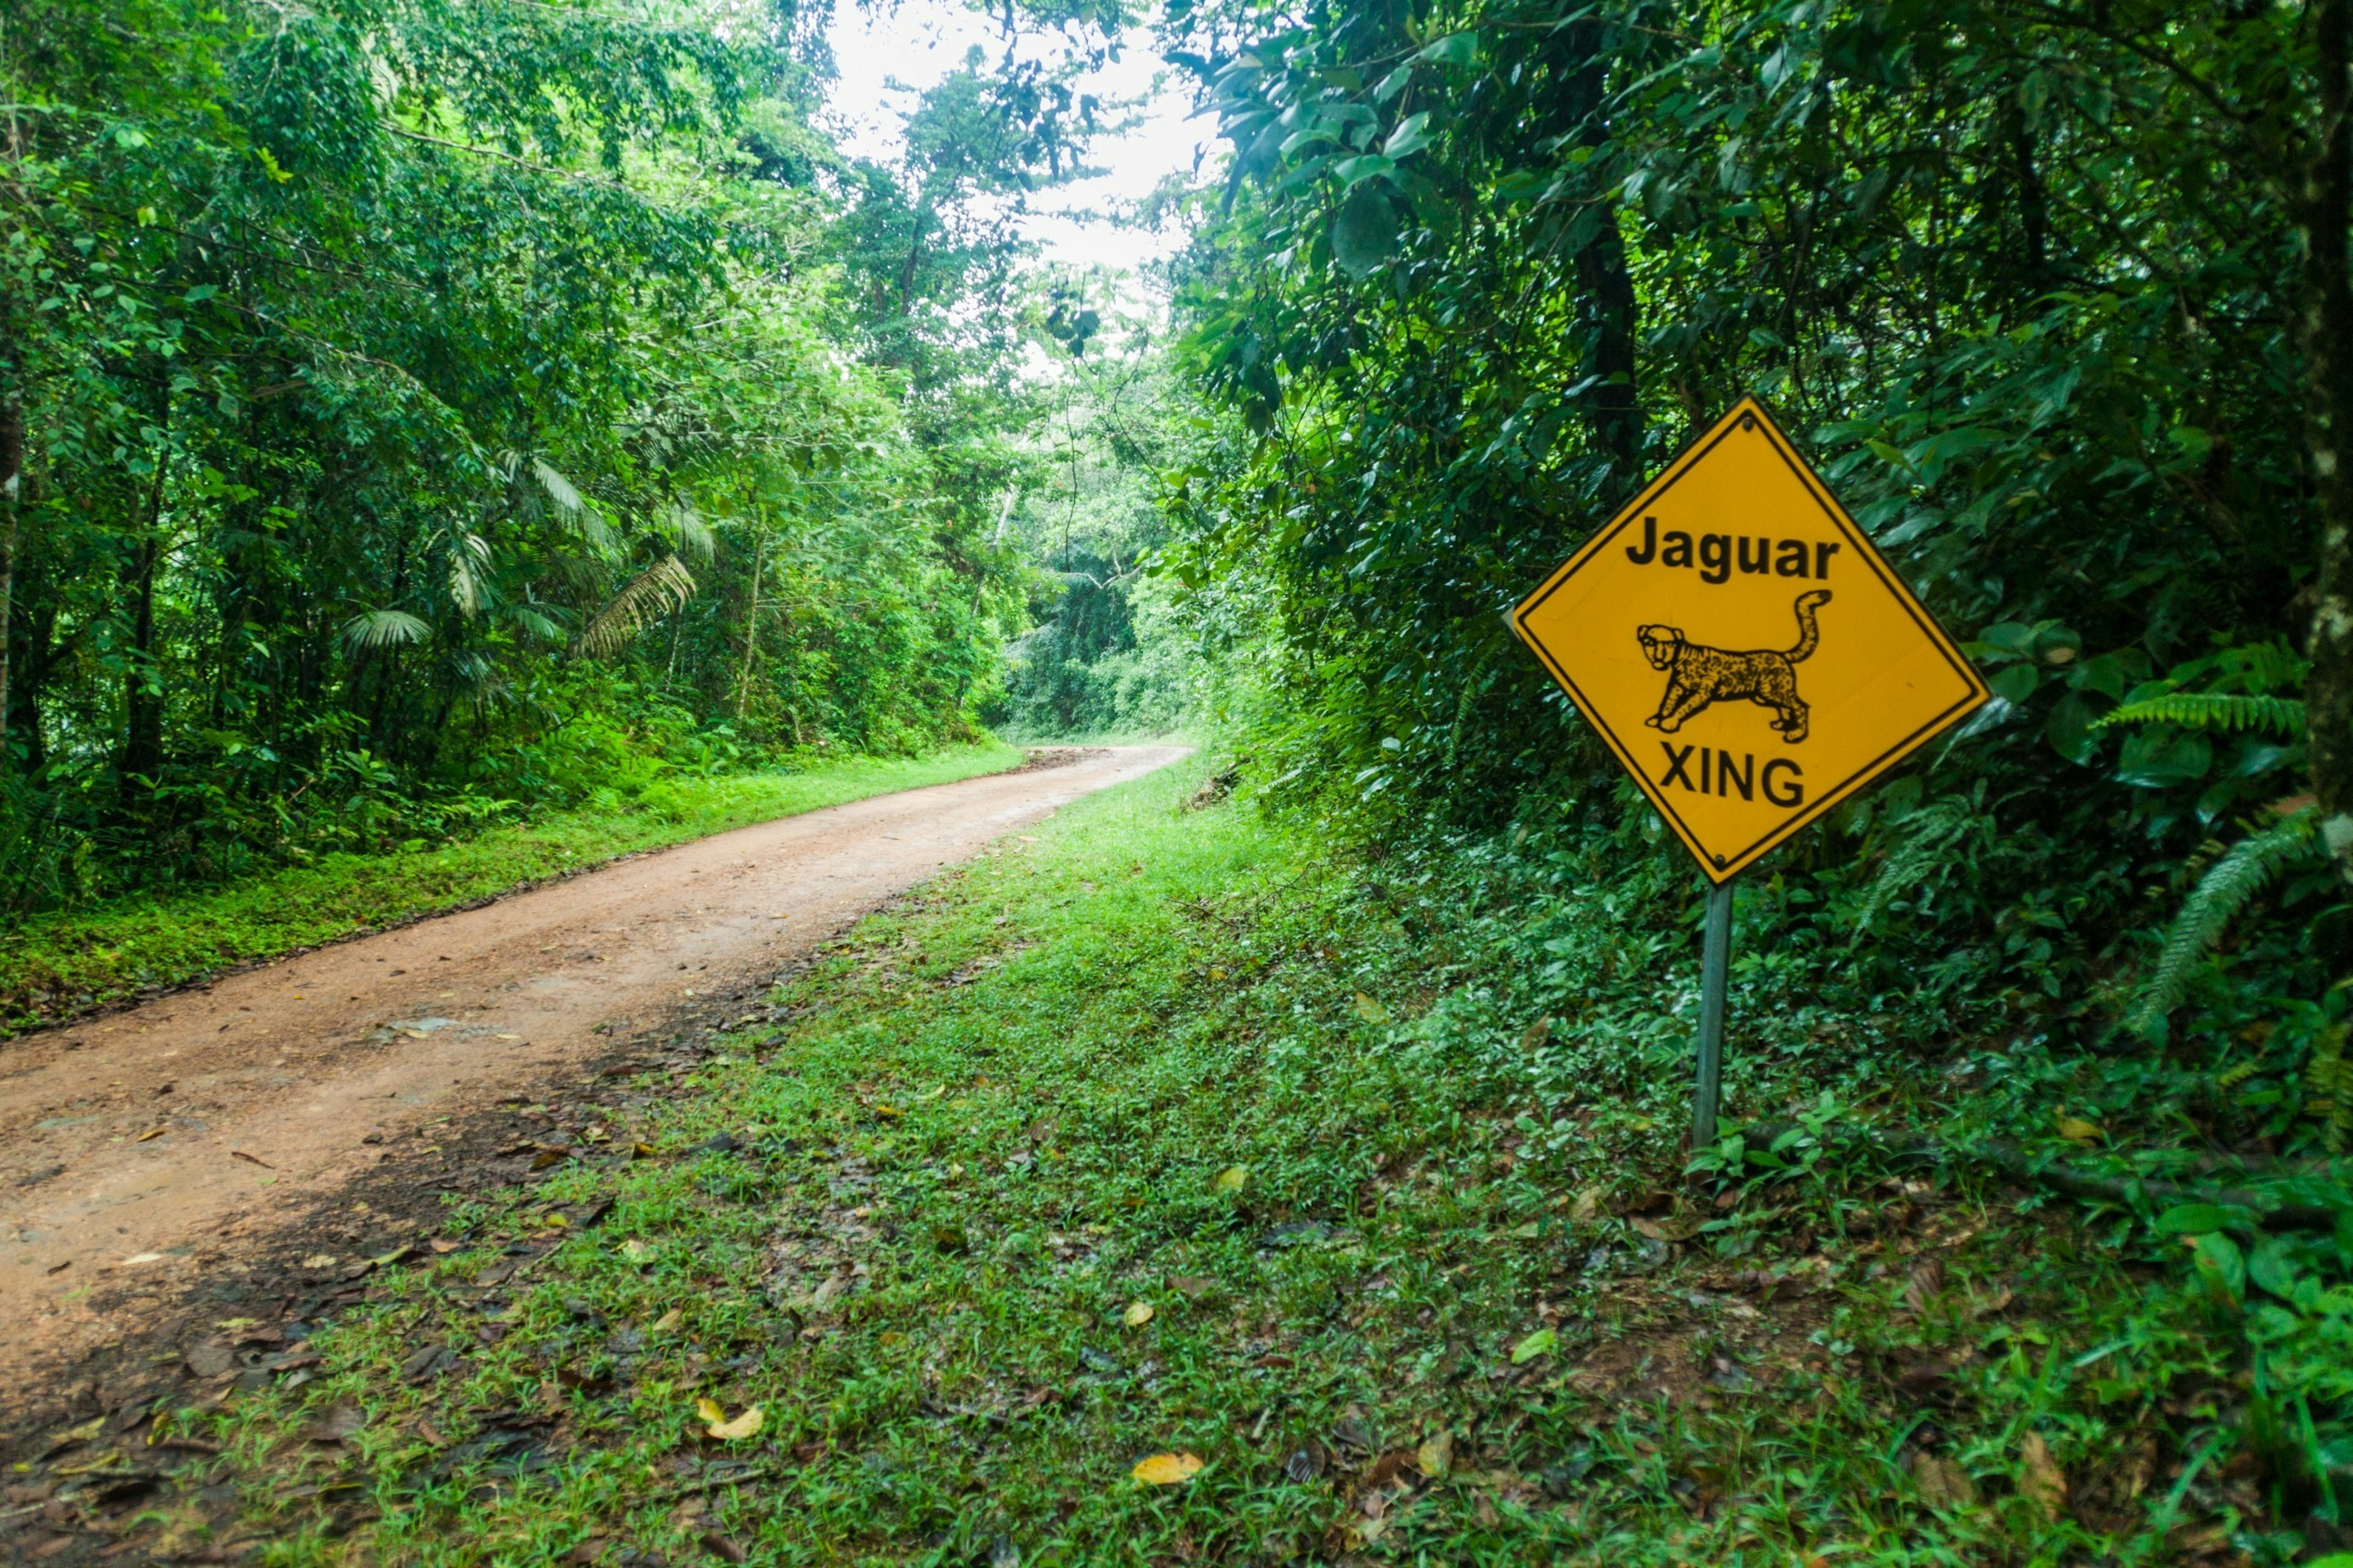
(152,1150)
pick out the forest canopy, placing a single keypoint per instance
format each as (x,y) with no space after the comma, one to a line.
(413,414)
(416,412)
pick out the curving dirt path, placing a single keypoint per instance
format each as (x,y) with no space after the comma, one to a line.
(142,1151)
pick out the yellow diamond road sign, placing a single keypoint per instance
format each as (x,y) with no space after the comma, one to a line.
(1740,645)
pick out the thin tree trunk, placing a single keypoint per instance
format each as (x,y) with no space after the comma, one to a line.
(2327,344)
(143,710)
(752,626)
(12,490)
(1613,409)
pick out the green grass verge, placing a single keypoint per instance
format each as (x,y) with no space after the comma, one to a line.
(61,965)
(1170,1060)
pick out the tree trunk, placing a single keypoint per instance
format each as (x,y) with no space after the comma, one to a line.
(752,626)
(12,491)
(2327,331)
(40,632)
(142,700)
(1613,408)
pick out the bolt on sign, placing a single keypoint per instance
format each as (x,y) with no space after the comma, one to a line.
(1740,645)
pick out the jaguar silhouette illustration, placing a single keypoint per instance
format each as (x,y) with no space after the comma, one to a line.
(1699,676)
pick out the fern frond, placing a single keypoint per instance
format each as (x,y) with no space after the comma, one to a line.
(2243,871)
(2211,710)
(371,630)
(664,586)
(1932,845)
(2330,1079)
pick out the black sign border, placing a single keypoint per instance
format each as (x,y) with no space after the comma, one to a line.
(1752,409)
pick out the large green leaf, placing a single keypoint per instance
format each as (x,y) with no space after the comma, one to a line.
(1365,232)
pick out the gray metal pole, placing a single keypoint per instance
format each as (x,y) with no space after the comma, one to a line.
(1714,965)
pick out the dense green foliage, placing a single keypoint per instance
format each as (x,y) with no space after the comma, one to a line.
(2034,285)
(424,418)
(1107,652)
(429,413)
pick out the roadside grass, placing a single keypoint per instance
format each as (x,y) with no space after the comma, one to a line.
(1179,1060)
(66,964)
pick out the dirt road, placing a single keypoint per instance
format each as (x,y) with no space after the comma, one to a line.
(144,1150)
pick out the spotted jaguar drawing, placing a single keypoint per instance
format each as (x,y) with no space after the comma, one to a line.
(1698,677)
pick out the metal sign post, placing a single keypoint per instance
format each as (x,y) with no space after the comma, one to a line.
(1746,651)
(1715,964)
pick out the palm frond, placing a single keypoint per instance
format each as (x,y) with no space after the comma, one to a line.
(2245,869)
(470,554)
(559,489)
(664,586)
(537,622)
(373,629)
(683,528)
(2211,710)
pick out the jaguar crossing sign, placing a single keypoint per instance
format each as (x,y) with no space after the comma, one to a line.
(1748,654)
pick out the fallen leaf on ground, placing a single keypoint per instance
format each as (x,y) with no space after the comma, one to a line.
(1138,1313)
(73,1435)
(1434,1457)
(716,1422)
(335,1424)
(1231,1178)
(1544,1341)
(209,1361)
(2040,1480)
(1943,1483)
(1166,1469)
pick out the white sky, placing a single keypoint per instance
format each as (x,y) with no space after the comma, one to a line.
(886,57)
